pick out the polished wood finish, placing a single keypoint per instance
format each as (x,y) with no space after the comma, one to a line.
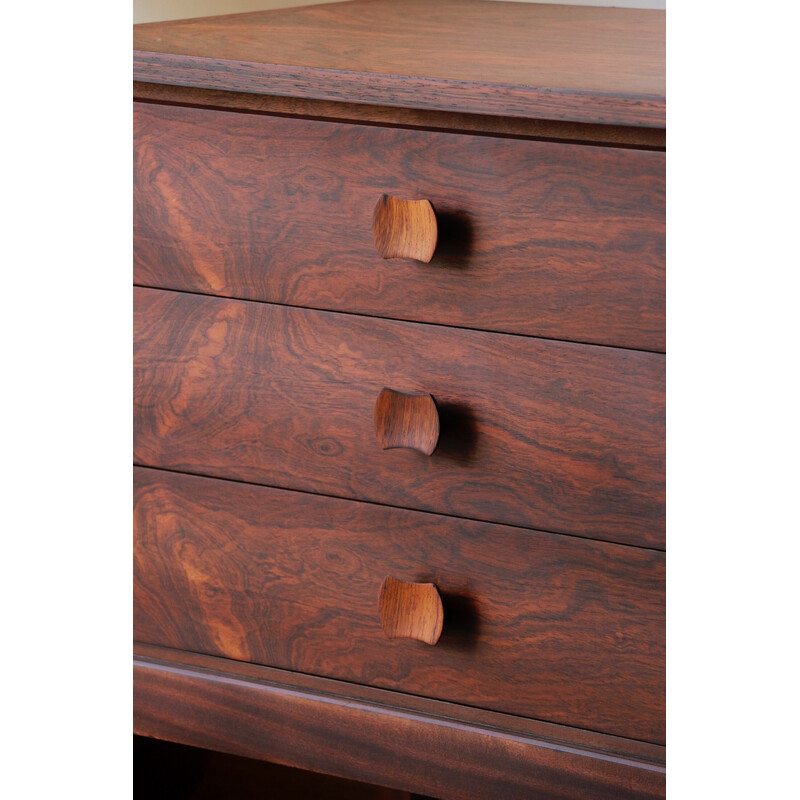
(168,771)
(290,573)
(555,240)
(410,610)
(404,228)
(621,135)
(549,435)
(406,420)
(614,746)
(237,708)
(551,627)
(593,65)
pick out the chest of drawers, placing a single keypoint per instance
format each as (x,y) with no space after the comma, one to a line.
(399,394)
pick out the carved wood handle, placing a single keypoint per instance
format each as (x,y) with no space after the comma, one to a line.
(404,228)
(410,610)
(406,420)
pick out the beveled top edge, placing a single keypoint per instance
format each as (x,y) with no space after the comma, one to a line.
(574,63)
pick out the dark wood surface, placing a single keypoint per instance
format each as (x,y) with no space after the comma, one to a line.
(235,708)
(554,240)
(557,735)
(555,130)
(168,771)
(556,628)
(550,435)
(535,131)
(598,65)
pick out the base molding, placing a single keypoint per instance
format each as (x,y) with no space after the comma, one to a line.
(380,737)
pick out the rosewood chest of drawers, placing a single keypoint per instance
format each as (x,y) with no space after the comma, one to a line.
(399,364)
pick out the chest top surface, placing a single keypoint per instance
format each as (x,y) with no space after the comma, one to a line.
(573,63)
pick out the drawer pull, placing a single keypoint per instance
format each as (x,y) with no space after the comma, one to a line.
(406,420)
(410,610)
(404,228)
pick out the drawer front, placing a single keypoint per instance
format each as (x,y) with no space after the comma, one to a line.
(535,624)
(549,435)
(554,240)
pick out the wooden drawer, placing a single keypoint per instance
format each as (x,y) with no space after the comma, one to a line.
(541,625)
(554,240)
(550,435)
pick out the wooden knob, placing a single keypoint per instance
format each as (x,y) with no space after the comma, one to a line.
(410,610)
(404,228)
(406,420)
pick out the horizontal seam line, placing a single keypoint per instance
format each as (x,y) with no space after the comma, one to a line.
(265,681)
(395,319)
(345,498)
(345,119)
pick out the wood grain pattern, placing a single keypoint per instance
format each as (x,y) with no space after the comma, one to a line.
(554,240)
(556,628)
(584,64)
(404,228)
(547,678)
(406,420)
(169,771)
(410,610)
(653,138)
(232,708)
(549,435)
(614,747)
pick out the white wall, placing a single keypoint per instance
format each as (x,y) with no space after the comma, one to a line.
(155,10)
